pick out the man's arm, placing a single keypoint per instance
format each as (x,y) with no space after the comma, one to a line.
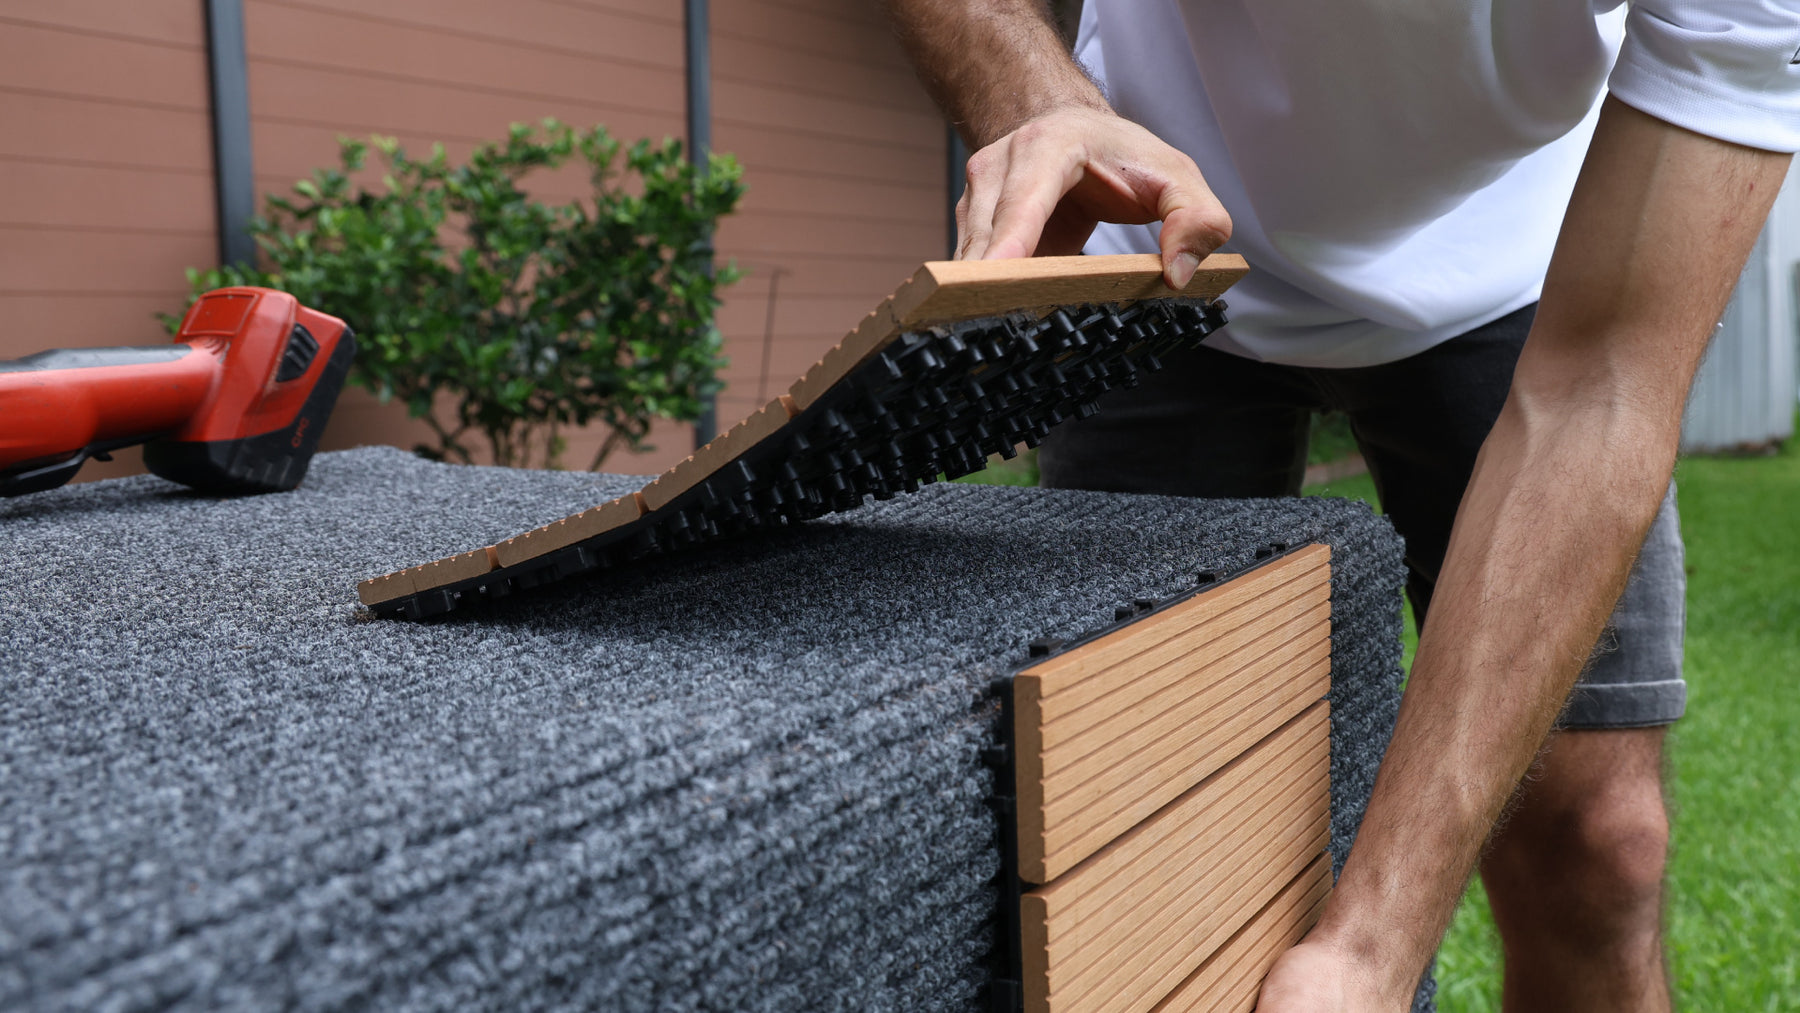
(1566,486)
(1052,158)
(1564,489)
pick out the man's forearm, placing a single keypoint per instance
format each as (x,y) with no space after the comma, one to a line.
(1563,492)
(1544,540)
(991,64)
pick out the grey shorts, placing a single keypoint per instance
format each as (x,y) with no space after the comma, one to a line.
(1216,424)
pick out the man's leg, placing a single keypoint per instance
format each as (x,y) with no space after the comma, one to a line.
(1208,424)
(1578,868)
(1575,875)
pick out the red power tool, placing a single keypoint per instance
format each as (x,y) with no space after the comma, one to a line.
(235,405)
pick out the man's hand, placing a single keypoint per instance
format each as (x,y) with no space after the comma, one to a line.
(1040,190)
(1053,159)
(1312,978)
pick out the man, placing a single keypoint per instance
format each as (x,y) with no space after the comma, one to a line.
(1397,172)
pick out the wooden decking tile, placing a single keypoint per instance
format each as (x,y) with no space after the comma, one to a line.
(1232,977)
(1111,731)
(1127,926)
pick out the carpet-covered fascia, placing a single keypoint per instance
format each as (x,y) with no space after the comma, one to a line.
(746,777)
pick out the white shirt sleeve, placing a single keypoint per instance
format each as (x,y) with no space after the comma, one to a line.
(1724,68)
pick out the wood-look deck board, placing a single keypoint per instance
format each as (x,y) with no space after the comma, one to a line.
(1066,846)
(1079,792)
(1142,666)
(1129,925)
(1068,670)
(1293,755)
(1231,978)
(1167,694)
(1159,713)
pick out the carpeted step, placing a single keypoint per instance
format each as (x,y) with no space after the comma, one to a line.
(755,775)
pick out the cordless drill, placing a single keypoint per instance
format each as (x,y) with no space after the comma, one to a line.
(234,405)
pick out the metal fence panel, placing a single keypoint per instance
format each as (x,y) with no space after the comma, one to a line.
(1744,396)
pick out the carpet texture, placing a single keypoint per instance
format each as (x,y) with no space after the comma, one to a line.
(746,777)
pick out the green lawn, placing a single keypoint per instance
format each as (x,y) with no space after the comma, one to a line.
(1734,910)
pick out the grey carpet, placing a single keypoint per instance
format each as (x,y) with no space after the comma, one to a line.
(742,778)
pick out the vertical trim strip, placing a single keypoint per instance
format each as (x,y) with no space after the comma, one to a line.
(233,180)
(696,25)
(697,31)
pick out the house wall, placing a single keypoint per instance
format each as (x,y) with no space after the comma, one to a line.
(106,187)
(844,158)
(108,164)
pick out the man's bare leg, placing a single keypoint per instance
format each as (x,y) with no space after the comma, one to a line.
(1575,877)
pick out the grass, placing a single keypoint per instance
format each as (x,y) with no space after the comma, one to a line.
(1021,470)
(1734,908)
(1735,866)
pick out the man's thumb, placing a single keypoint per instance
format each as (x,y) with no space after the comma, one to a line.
(1189,234)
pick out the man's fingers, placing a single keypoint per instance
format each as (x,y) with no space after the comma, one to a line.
(1061,173)
(1040,171)
(1194,222)
(986,173)
(962,222)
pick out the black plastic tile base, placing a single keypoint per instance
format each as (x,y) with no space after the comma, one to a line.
(934,402)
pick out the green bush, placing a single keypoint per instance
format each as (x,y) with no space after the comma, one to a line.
(527,316)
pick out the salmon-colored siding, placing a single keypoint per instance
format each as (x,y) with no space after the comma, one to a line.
(844,158)
(106,188)
(107,192)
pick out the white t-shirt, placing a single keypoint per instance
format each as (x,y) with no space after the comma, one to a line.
(1397,170)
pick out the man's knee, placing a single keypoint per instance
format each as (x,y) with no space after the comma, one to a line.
(1585,857)
(1618,850)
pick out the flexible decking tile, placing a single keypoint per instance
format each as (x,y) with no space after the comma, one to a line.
(1109,732)
(950,290)
(959,289)
(729,446)
(1131,924)
(964,360)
